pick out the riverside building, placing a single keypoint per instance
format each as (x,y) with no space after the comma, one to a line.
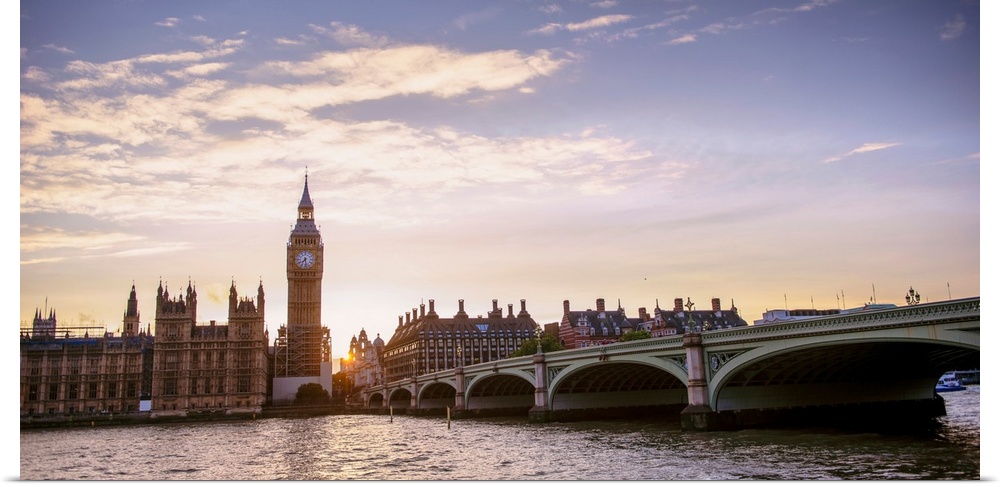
(581,329)
(363,365)
(72,370)
(427,343)
(209,368)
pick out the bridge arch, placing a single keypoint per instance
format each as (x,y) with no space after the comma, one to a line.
(500,392)
(436,395)
(619,383)
(848,369)
(400,398)
(375,401)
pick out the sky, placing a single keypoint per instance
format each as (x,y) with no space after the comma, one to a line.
(773,154)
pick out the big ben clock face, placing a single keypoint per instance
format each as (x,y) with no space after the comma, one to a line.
(305,259)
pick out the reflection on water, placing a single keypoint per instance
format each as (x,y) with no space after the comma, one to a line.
(372,447)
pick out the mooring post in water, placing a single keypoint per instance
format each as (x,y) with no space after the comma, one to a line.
(448,410)
(390,414)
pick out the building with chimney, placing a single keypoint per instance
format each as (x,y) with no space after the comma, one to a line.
(591,327)
(424,343)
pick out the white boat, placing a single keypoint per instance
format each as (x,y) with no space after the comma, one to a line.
(948,383)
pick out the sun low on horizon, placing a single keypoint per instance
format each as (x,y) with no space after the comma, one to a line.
(772,154)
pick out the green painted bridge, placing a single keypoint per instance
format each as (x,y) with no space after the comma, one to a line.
(876,365)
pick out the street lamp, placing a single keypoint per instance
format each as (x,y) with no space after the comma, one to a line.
(538,338)
(691,326)
(912,297)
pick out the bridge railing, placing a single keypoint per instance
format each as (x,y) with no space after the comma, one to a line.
(951,310)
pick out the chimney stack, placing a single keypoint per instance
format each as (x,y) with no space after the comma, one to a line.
(495,309)
(407,317)
(422,310)
(565,307)
(642,315)
(461,309)
(510,310)
(400,320)
(600,304)
(716,304)
(678,305)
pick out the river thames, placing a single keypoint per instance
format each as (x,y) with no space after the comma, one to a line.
(365,447)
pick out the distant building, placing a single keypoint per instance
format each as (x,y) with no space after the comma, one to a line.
(363,365)
(85,370)
(209,368)
(581,329)
(773,316)
(427,343)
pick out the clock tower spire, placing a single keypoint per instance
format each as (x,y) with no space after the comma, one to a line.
(302,349)
(304,267)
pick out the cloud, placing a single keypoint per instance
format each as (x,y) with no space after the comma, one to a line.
(59,49)
(463,22)
(49,238)
(953,29)
(349,35)
(169,22)
(684,39)
(550,8)
(869,147)
(88,149)
(282,41)
(605,4)
(199,18)
(595,23)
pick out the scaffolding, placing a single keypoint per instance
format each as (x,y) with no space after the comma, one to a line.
(299,350)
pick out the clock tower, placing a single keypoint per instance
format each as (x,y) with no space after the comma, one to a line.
(302,348)
(304,266)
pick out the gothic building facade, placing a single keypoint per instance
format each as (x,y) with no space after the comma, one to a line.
(213,368)
(72,370)
(363,365)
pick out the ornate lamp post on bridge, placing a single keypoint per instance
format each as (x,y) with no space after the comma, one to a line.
(912,297)
(540,413)
(460,382)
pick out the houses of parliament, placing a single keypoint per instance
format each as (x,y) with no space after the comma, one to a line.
(181,367)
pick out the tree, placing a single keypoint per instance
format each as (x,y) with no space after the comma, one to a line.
(311,393)
(635,335)
(530,346)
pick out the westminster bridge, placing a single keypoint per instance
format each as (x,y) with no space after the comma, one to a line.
(880,365)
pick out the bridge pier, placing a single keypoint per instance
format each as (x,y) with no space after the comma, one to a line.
(698,415)
(540,412)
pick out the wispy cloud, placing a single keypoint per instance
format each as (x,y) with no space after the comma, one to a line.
(974,157)
(953,29)
(169,22)
(60,49)
(349,35)
(869,147)
(684,39)
(595,23)
(605,4)
(87,149)
(466,21)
